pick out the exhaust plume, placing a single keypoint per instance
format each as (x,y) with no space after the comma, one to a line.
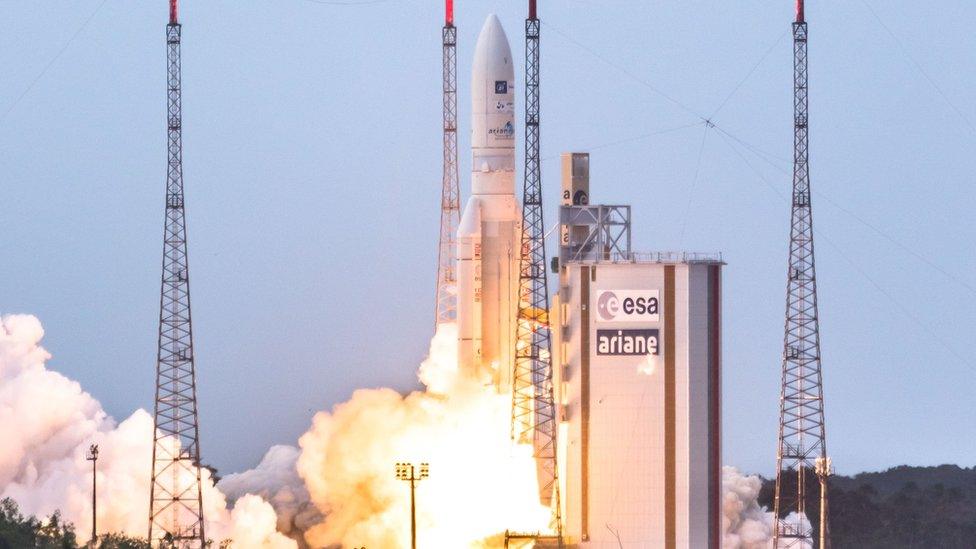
(479,485)
(276,480)
(338,489)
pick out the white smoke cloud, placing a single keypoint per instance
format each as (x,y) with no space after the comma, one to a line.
(253,525)
(47,423)
(479,484)
(745,524)
(276,480)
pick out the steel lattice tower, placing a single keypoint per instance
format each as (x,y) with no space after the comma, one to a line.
(176,504)
(450,195)
(533,409)
(802,450)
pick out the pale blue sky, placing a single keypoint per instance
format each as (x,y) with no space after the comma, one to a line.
(312,168)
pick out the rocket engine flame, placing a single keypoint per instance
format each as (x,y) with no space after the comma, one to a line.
(479,485)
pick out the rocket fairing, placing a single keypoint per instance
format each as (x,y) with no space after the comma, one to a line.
(490,229)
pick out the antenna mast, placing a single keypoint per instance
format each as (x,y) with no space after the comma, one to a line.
(802,450)
(450,195)
(533,407)
(175,500)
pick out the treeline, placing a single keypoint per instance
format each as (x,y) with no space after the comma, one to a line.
(20,532)
(903,507)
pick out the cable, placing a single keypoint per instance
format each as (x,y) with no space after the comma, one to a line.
(754,67)
(774,161)
(52,61)
(631,139)
(694,183)
(766,157)
(905,310)
(648,85)
(905,248)
(918,66)
(875,229)
(754,169)
(636,78)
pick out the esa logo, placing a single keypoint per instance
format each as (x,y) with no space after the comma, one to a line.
(627,306)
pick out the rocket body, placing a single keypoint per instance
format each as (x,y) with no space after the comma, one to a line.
(490,230)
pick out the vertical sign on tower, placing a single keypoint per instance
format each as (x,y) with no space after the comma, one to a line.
(575,192)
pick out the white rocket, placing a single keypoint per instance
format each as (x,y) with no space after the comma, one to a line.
(490,231)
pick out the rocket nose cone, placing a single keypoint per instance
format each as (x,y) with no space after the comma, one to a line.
(492,55)
(492,21)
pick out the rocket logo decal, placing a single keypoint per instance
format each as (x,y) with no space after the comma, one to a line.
(505,132)
(504,106)
(501,87)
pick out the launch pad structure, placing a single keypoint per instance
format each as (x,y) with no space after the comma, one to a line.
(533,408)
(802,444)
(175,500)
(446,296)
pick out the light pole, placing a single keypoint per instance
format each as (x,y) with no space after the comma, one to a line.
(406,472)
(93,457)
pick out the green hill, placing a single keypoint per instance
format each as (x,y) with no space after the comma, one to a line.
(910,507)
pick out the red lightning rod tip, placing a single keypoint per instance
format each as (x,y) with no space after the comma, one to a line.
(449,12)
(172,12)
(532,12)
(799,11)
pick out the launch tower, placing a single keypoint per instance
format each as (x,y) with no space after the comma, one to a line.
(175,500)
(450,195)
(533,411)
(802,450)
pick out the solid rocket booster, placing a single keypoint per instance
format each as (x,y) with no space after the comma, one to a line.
(490,229)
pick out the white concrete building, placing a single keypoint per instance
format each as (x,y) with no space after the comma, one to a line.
(637,372)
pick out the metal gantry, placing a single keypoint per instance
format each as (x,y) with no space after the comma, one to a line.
(175,501)
(802,451)
(606,235)
(450,195)
(533,407)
